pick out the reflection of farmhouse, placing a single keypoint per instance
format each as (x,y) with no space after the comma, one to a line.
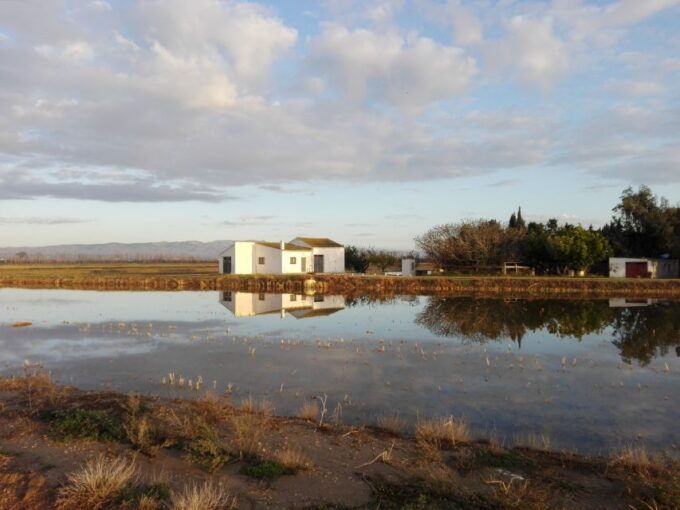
(301,255)
(249,304)
(631,302)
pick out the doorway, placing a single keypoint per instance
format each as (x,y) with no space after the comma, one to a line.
(318,263)
(636,269)
(226,265)
(303,264)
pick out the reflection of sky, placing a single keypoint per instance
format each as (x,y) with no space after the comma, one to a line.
(129,340)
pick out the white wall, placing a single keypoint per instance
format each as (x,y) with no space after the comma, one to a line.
(272,260)
(617,266)
(334,259)
(408,267)
(287,267)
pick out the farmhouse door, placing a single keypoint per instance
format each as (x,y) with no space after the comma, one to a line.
(303,264)
(318,263)
(636,269)
(226,265)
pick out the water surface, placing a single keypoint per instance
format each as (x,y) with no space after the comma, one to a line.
(589,374)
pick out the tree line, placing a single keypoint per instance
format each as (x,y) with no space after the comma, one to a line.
(642,225)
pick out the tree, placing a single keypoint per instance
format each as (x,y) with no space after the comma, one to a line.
(644,225)
(520,221)
(478,242)
(357,259)
(383,259)
(578,249)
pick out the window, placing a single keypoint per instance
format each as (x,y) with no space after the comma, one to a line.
(293,297)
(293,260)
(261,297)
(226,296)
(318,298)
(260,260)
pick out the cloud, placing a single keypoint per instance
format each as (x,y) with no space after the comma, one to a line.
(248,221)
(182,101)
(41,221)
(410,72)
(532,52)
(636,87)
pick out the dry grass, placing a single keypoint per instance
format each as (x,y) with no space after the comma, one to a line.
(148,503)
(442,432)
(308,411)
(203,497)
(96,484)
(535,441)
(21,324)
(293,459)
(395,425)
(248,430)
(633,458)
(264,407)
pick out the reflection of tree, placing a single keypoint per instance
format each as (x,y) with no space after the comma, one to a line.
(639,332)
(482,320)
(642,333)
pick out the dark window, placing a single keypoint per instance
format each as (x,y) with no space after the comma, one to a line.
(293,260)
(226,296)
(293,297)
(318,299)
(261,297)
(260,260)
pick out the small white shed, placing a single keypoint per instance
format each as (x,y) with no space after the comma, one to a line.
(629,267)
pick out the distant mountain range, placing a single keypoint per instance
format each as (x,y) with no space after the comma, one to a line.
(179,250)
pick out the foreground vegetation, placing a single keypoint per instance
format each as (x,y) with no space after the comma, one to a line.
(62,448)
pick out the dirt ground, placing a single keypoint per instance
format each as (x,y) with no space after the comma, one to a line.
(47,432)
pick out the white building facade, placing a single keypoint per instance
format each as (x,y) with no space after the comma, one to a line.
(303,255)
(623,267)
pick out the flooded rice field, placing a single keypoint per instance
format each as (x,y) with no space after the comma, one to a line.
(589,375)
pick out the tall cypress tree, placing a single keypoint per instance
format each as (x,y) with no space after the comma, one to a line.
(520,221)
(513,221)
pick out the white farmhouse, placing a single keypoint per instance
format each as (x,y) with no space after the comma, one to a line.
(302,255)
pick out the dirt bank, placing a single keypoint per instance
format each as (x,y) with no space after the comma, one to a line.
(202,276)
(153,449)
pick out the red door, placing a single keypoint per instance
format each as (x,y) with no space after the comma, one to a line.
(636,269)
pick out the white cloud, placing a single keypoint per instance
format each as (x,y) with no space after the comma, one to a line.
(532,52)
(410,72)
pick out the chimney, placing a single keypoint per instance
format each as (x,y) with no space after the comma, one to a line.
(283,246)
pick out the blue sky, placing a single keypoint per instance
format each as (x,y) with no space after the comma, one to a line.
(365,121)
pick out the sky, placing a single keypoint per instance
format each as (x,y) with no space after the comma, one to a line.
(364,121)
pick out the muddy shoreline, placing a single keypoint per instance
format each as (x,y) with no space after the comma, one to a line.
(259,460)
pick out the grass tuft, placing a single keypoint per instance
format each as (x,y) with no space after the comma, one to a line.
(266,470)
(97,484)
(208,450)
(442,432)
(203,497)
(293,459)
(308,411)
(395,424)
(248,431)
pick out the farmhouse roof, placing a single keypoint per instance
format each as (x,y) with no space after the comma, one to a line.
(287,246)
(319,242)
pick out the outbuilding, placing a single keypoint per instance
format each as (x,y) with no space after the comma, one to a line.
(630,267)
